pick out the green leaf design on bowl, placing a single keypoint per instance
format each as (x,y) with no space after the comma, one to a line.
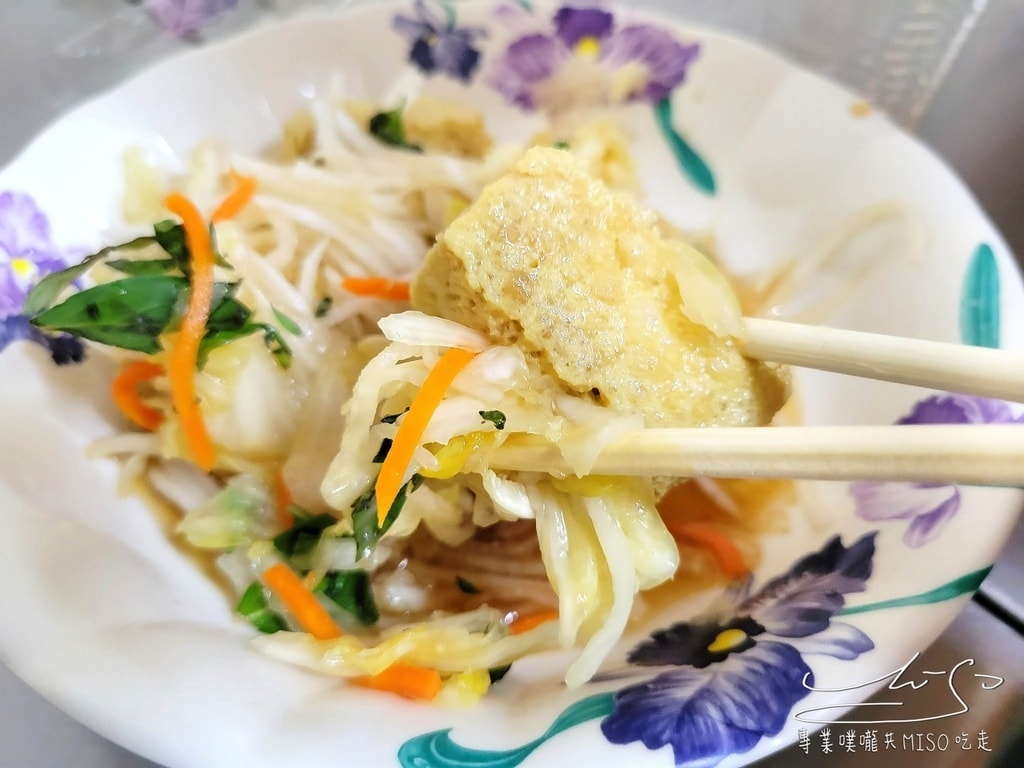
(979,301)
(690,162)
(437,750)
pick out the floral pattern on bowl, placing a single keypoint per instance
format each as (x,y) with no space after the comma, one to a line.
(588,59)
(739,669)
(726,679)
(437,44)
(185,17)
(928,506)
(27,254)
(584,58)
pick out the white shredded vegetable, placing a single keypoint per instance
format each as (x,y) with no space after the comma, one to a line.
(305,409)
(419,330)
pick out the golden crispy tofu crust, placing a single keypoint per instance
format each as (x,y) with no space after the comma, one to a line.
(581,278)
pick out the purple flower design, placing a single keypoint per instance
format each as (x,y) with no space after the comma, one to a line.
(27,253)
(185,17)
(928,506)
(63,348)
(437,44)
(738,671)
(589,60)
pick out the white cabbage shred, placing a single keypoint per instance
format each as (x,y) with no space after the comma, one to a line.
(353,207)
(598,551)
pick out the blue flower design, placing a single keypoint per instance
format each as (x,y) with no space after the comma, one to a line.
(185,17)
(588,60)
(928,506)
(27,253)
(736,673)
(437,44)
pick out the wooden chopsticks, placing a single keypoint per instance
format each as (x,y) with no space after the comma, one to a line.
(983,454)
(932,364)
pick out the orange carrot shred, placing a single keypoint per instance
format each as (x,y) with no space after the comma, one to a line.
(302,603)
(526,623)
(408,680)
(377,287)
(237,199)
(184,353)
(687,511)
(283,502)
(407,438)
(711,538)
(125,393)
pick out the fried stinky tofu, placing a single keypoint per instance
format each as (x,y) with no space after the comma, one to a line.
(580,277)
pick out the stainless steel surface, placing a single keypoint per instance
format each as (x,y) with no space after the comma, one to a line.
(975,119)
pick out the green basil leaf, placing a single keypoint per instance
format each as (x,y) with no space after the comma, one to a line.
(171,237)
(391,418)
(253,606)
(497,418)
(389,127)
(497,673)
(215,339)
(229,321)
(252,600)
(382,453)
(268,622)
(223,334)
(46,291)
(130,313)
(133,312)
(287,323)
(351,591)
(227,312)
(303,535)
(364,524)
(365,528)
(276,344)
(143,266)
(324,306)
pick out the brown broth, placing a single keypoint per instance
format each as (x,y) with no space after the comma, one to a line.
(168,517)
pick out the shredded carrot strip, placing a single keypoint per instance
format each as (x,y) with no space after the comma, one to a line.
(302,603)
(283,502)
(685,510)
(377,287)
(237,199)
(125,393)
(392,471)
(185,352)
(408,680)
(711,538)
(526,623)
